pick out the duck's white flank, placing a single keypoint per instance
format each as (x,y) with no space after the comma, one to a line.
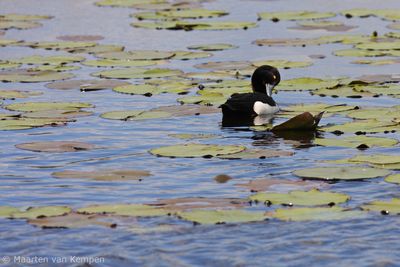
(264,109)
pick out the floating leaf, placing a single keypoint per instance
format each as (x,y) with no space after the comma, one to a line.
(39,106)
(126,3)
(342,91)
(365,53)
(48,60)
(301,122)
(8,65)
(132,73)
(341,173)
(30,76)
(379,159)
(303,198)
(193,203)
(24,17)
(180,14)
(80,38)
(389,14)
(306,83)
(56,146)
(6,211)
(392,206)
(28,123)
(363,126)
(315,214)
(153,89)
(187,55)
(63,45)
(376,62)
(18,24)
(224,65)
(38,212)
(135,115)
(295,15)
(86,85)
(269,183)
(136,210)
(394,178)
(196,150)
(257,154)
(332,26)
(283,64)
(356,141)
(375,113)
(71,220)
(222,216)
(103,175)
(188,136)
(12,94)
(59,114)
(119,63)
(379,46)
(318,107)
(212,47)
(137,55)
(188,26)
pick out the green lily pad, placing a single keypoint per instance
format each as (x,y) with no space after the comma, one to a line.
(392,206)
(303,198)
(212,47)
(28,123)
(315,214)
(8,65)
(134,115)
(196,150)
(388,14)
(132,73)
(379,46)
(222,216)
(56,146)
(5,42)
(136,210)
(48,60)
(283,64)
(126,3)
(306,83)
(153,89)
(209,99)
(341,173)
(257,154)
(180,14)
(37,212)
(365,53)
(295,15)
(56,115)
(56,68)
(119,63)
(188,136)
(364,126)
(385,89)
(12,94)
(356,141)
(288,111)
(63,45)
(332,26)
(196,203)
(24,17)
(394,178)
(71,220)
(80,38)
(375,113)
(379,159)
(31,76)
(376,62)
(188,26)
(39,106)
(187,55)
(18,24)
(342,91)
(137,55)
(224,65)
(86,85)
(6,211)
(103,175)
(97,49)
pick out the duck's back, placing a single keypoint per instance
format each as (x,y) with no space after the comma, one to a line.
(249,104)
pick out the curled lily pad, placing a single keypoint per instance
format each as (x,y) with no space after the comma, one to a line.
(131,73)
(222,216)
(305,121)
(30,76)
(341,173)
(48,60)
(133,115)
(136,210)
(71,220)
(295,15)
(392,206)
(56,146)
(103,175)
(394,178)
(196,150)
(212,47)
(303,198)
(37,212)
(356,141)
(39,106)
(315,214)
(85,85)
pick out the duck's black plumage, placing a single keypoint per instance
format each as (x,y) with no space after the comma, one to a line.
(260,102)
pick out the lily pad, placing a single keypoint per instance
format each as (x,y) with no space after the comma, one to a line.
(31,76)
(257,154)
(132,73)
(222,216)
(203,25)
(180,14)
(315,214)
(394,178)
(306,83)
(71,220)
(133,115)
(63,45)
(56,146)
(80,38)
(18,24)
(103,175)
(28,123)
(6,211)
(8,65)
(188,55)
(295,15)
(196,150)
(120,63)
(137,55)
(39,106)
(136,210)
(392,206)
(302,122)
(283,64)
(379,46)
(153,89)
(375,113)
(188,136)
(341,173)
(356,141)
(38,212)
(48,60)
(126,3)
(12,94)
(331,26)
(378,159)
(86,85)
(266,184)
(195,203)
(363,126)
(212,47)
(303,198)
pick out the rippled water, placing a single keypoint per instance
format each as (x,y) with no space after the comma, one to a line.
(26,176)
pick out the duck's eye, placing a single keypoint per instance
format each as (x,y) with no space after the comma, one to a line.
(274,77)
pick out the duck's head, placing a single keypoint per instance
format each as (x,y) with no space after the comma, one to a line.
(264,79)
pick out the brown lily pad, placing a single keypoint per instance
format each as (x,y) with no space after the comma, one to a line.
(257,153)
(72,220)
(190,203)
(103,175)
(222,178)
(80,38)
(56,146)
(305,121)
